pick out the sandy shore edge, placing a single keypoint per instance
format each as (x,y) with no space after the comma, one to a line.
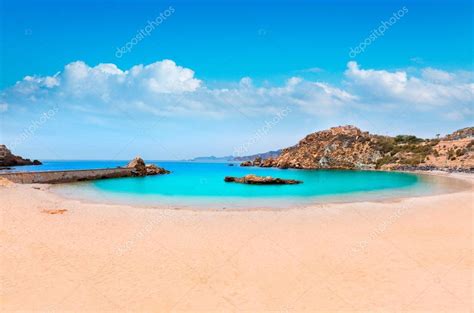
(410,255)
(463,181)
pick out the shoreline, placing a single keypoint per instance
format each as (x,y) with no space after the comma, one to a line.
(462,182)
(63,255)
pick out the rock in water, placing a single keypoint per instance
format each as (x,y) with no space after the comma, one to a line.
(139,165)
(142,169)
(9,159)
(246,163)
(152,169)
(260,180)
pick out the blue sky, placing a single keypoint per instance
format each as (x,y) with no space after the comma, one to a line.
(216,74)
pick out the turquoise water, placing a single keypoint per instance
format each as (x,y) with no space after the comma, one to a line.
(207,179)
(202,184)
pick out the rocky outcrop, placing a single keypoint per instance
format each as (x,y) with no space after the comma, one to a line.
(270,162)
(260,180)
(142,169)
(152,169)
(347,147)
(9,159)
(467,132)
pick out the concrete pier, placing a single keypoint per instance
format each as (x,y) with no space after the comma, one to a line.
(57,177)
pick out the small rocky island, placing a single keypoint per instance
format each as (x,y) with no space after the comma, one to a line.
(261,180)
(7,158)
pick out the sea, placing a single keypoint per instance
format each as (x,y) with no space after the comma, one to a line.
(201,185)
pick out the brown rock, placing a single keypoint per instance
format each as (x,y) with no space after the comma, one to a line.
(9,159)
(260,180)
(344,147)
(347,147)
(139,165)
(142,169)
(152,169)
(268,163)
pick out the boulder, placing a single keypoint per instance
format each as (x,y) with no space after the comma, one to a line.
(260,180)
(152,169)
(246,163)
(142,169)
(139,165)
(267,163)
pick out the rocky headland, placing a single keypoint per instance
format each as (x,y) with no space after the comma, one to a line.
(7,158)
(348,147)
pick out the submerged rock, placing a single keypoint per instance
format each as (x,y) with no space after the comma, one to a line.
(260,180)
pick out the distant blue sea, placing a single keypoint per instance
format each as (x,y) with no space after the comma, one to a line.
(66,165)
(192,183)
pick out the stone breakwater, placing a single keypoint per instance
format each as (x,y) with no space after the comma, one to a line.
(136,167)
(57,177)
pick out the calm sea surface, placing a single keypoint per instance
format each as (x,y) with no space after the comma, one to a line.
(202,184)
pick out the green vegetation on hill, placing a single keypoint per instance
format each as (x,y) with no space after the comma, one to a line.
(404,149)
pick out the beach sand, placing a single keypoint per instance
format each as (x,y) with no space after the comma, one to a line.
(406,255)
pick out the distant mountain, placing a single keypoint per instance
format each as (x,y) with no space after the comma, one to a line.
(265,155)
(212,159)
(229,158)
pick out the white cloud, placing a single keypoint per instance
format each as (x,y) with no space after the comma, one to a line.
(166,89)
(434,75)
(434,88)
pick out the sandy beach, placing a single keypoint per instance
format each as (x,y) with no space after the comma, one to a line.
(406,255)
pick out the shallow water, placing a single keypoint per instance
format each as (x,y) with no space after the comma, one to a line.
(202,185)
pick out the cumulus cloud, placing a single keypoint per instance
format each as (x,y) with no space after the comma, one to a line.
(435,75)
(167,89)
(433,88)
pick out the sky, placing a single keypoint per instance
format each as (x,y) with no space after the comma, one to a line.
(179,79)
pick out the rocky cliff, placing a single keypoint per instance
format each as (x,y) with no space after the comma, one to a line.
(9,159)
(347,147)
